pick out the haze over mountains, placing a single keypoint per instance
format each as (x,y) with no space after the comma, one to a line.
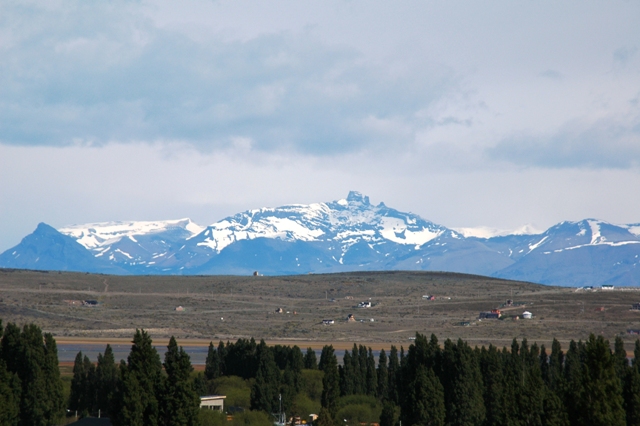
(344,235)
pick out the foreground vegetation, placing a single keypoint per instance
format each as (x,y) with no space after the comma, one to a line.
(429,384)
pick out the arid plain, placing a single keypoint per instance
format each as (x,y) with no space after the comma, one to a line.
(229,307)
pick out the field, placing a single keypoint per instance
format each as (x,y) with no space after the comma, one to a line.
(229,307)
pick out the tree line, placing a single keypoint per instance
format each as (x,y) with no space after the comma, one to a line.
(429,384)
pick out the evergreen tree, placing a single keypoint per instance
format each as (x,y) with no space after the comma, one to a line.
(363,363)
(78,385)
(130,406)
(180,403)
(222,355)
(372,378)
(106,382)
(388,415)
(310,360)
(462,384)
(383,376)
(424,404)
(9,395)
(11,349)
(324,418)
(556,361)
(35,404)
(394,367)
(324,356)
(620,359)
(601,402)
(346,375)
(359,381)
(212,365)
(141,384)
(572,383)
(264,392)
(631,395)
(330,382)
(491,367)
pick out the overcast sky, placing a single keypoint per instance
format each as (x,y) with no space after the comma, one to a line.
(493,113)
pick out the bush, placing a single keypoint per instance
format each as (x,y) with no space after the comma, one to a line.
(236,389)
(312,380)
(209,417)
(252,418)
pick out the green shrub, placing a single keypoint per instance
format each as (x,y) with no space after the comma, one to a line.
(209,417)
(236,389)
(251,418)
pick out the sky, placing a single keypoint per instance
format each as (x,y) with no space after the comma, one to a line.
(493,113)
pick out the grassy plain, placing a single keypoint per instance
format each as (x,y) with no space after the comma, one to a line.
(229,307)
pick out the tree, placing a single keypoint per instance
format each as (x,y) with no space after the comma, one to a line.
(264,392)
(372,378)
(601,402)
(425,400)
(383,376)
(492,369)
(462,384)
(394,367)
(77,394)
(310,360)
(180,402)
(330,382)
(106,382)
(9,395)
(388,416)
(212,365)
(346,375)
(141,383)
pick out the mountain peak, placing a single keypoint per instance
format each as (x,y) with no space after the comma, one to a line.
(357,197)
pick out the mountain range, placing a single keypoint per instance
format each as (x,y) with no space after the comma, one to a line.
(344,235)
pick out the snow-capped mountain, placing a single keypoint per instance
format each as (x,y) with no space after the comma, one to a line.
(343,235)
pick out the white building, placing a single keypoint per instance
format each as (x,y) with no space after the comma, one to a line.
(213,402)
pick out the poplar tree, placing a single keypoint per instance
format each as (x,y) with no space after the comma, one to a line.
(492,370)
(372,378)
(394,367)
(9,395)
(179,403)
(212,364)
(330,382)
(264,392)
(310,360)
(424,404)
(383,376)
(106,382)
(346,375)
(141,383)
(601,402)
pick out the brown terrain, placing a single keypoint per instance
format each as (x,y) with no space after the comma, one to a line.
(229,307)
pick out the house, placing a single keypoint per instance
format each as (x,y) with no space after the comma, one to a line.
(527,315)
(279,311)
(635,307)
(607,287)
(428,297)
(90,302)
(213,402)
(179,309)
(364,305)
(328,321)
(489,315)
(351,318)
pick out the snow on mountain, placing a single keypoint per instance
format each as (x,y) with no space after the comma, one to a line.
(487,232)
(96,235)
(346,221)
(344,235)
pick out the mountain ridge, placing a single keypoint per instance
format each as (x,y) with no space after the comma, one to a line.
(349,234)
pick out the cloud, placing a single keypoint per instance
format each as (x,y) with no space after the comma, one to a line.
(608,143)
(95,73)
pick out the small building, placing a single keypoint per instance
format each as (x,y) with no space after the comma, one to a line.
(90,303)
(327,322)
(489,315)
(364,305)
(279,311)
(428,297)
(179,309)
(212,402)
(351,318)
(527,315)
(635,307)
(633,331)
(607,287)
(600,309)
